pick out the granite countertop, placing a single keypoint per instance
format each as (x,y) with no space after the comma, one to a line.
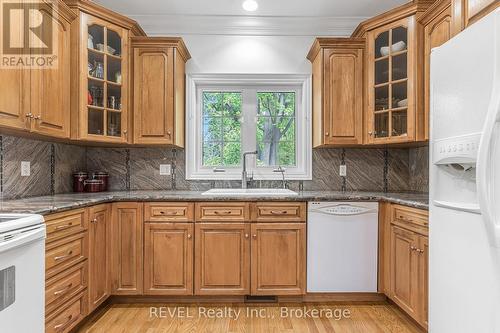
(62,202)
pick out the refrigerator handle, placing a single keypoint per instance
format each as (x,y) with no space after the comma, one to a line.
(484,169)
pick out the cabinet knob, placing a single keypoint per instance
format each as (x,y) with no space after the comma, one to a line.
(413,248)
(254,236)
(37,117)
(370,133)
(247,235)
(169,133)
(327,134)
(29,115)
(189,236)
(94,221)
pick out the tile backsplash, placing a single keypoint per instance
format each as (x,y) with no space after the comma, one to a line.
(138,168)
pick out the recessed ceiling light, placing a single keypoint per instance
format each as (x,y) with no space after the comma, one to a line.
(250,5)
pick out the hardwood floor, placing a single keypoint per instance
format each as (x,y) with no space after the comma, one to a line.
(159,318)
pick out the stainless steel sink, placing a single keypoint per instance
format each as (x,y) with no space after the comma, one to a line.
(250,192)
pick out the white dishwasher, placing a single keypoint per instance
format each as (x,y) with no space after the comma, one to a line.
(342,246)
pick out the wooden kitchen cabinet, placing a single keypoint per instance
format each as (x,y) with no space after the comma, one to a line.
(127,248)
(168,258)
(38,99)
(159,90)
(100,86)
(466,12)
(222,259)
(394,106)
(437,27)
(278,260)
(404,270)
(337,91)
(409,262)
(99,255)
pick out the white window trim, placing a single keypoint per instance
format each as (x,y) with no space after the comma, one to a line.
(195,82)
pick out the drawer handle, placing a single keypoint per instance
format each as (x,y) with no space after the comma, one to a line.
(401,217)
(65,226)
(63,325)
(64,256)
(225,212)
(63,290)
(279,212)
(169,213)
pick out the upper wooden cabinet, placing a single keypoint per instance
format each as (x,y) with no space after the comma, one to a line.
(394,111)
(437,28)
(38,99)
(466,12)
(100,73)
(337,91)
(159,89)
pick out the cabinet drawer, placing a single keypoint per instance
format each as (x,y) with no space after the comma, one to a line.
(169,212)
(410,215)
(222,211)
(65,253)
(279,212)
(64,224)
(64,285)
(69,316)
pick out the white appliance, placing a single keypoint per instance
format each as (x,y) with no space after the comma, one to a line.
(22,273)
(464,277)
(342,245)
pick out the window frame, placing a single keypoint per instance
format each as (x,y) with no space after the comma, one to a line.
(248,85)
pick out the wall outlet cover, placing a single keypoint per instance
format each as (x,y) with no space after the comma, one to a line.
(343,170)
(165,169)
(25,169)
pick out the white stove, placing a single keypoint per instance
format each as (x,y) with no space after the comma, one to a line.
(22,273)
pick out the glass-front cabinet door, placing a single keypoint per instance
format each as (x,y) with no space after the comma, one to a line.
(104,90)
(390,79)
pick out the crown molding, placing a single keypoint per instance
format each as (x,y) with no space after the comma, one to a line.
(161,25)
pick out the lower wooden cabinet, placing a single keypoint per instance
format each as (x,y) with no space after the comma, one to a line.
(168,258)
(126,248)
(99,255)
(278,258)
(222,259)
(409,268)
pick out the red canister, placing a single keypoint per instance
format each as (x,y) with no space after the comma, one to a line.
(102,176)
(93,185)
(78,181)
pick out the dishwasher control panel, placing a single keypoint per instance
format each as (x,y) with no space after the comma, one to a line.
(340,209)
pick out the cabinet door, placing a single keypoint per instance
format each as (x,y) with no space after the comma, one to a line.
(222,259)
(404,270)
(104,88)
(424,280)
(168,258)
(50,87)
(99,250)
(14,88)
(391,112)
(127,244)
(153,95)
(436,33)
(343,89)
(278,261)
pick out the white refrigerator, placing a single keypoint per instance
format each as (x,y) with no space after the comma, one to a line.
(464,254)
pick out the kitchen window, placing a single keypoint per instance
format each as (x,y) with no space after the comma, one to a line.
(232,114)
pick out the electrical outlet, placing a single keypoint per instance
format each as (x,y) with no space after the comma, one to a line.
(25,169)
(343,170)
(165,169)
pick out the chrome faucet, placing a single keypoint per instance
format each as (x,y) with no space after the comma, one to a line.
(280,169)
(244,176)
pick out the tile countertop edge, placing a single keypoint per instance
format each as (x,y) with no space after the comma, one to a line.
(63,202)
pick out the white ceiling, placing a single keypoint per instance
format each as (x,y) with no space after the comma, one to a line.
(288,17)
